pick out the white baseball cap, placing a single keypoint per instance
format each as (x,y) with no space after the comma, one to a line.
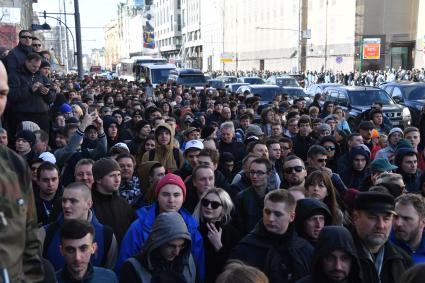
(194,144)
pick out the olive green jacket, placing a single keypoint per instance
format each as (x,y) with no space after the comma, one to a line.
(19,245)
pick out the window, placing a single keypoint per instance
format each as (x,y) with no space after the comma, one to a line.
(172,23)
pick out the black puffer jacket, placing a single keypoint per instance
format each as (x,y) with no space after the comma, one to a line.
(283,258)
(16,57)
(333,238)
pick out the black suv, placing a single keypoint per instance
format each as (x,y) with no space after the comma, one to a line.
(357,100)
(409,94)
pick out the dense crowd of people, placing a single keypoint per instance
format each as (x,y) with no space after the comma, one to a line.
(117,181)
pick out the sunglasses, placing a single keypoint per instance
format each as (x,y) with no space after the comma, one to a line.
(214,204)
(26,36)
(321,160)
(329,147)
(297,169)
(36,45)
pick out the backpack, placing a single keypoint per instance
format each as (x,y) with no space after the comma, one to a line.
(176,155)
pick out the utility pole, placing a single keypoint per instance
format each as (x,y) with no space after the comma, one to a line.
(78,39)
(66,59)
(326,36)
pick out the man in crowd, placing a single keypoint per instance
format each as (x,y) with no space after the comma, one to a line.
(228,143)
(335,258)
(380,260)
(83,172)
(130,185)
(16,57)
(294,172)
(407,163)
(249,203)
(76,204)
(353,175)
(365,130)
(47,193)
(269,239)
(109,207)
(202,179)
(77,247)
(394,136)
(409,224)
(191,152)
(303,140)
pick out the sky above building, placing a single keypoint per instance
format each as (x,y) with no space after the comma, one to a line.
(94,14)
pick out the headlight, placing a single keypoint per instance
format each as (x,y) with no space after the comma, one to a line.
(406,113)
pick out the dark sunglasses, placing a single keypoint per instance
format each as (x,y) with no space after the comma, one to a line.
(26,37)
(329,147)
(322,160)
(214,204)
(297,169)
(36,45)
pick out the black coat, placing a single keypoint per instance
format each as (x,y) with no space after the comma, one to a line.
(395,263)
(21,97)
(248,210)
(283,258)
(16,57)
(114,211)
(216,260)
(235,148)
(301,145)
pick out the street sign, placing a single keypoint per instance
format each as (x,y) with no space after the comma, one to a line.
(306,34)
(339,59)
(372,48)
(227,57)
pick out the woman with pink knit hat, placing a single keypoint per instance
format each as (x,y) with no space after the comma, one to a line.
(170,193)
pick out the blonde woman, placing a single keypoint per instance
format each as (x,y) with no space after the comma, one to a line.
(213,215)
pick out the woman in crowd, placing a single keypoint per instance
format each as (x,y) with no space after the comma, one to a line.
(213,215)
(318,185)
(333,149)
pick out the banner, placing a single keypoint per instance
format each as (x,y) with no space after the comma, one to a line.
(372,48)
(148,30)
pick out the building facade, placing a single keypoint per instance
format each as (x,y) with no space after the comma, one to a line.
(168,28)
(112,45)
(191,33)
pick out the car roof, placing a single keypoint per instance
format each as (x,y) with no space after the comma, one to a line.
(404,83)
(189,71)
(250,77)
(264,86)
(354,88)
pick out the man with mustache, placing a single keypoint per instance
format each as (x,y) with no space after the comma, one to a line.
(380,260)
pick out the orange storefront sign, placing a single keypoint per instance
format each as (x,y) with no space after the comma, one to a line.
(371,48)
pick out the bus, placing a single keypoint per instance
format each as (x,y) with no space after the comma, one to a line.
(131,68)
(157,73)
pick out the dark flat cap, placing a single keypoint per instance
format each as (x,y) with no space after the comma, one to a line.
(374,202)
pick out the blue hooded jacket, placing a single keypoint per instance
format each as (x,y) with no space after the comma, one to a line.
(139,231)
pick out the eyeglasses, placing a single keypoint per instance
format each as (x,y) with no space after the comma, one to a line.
(284,148)
(214,204)
(297,169)
(26,36)
(36,45)
(258,173)
(321,160)
(329,147)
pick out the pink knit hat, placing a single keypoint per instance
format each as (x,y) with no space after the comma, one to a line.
(170,179)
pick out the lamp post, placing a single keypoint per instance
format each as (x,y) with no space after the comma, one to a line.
(78,35)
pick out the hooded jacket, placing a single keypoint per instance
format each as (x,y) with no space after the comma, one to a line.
(351,178)
(139,231)
(305,209)
(167,227)
(17,56)
(165,153)
(333,238)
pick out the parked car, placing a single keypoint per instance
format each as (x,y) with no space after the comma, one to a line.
(233,87)
(319,88)
(283,81)
(251,80)
(409,94)
(267,93)
(299,77)
(357,101)
(228,79)
(216,84)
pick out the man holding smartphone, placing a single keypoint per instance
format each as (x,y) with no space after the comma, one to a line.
(29,96)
